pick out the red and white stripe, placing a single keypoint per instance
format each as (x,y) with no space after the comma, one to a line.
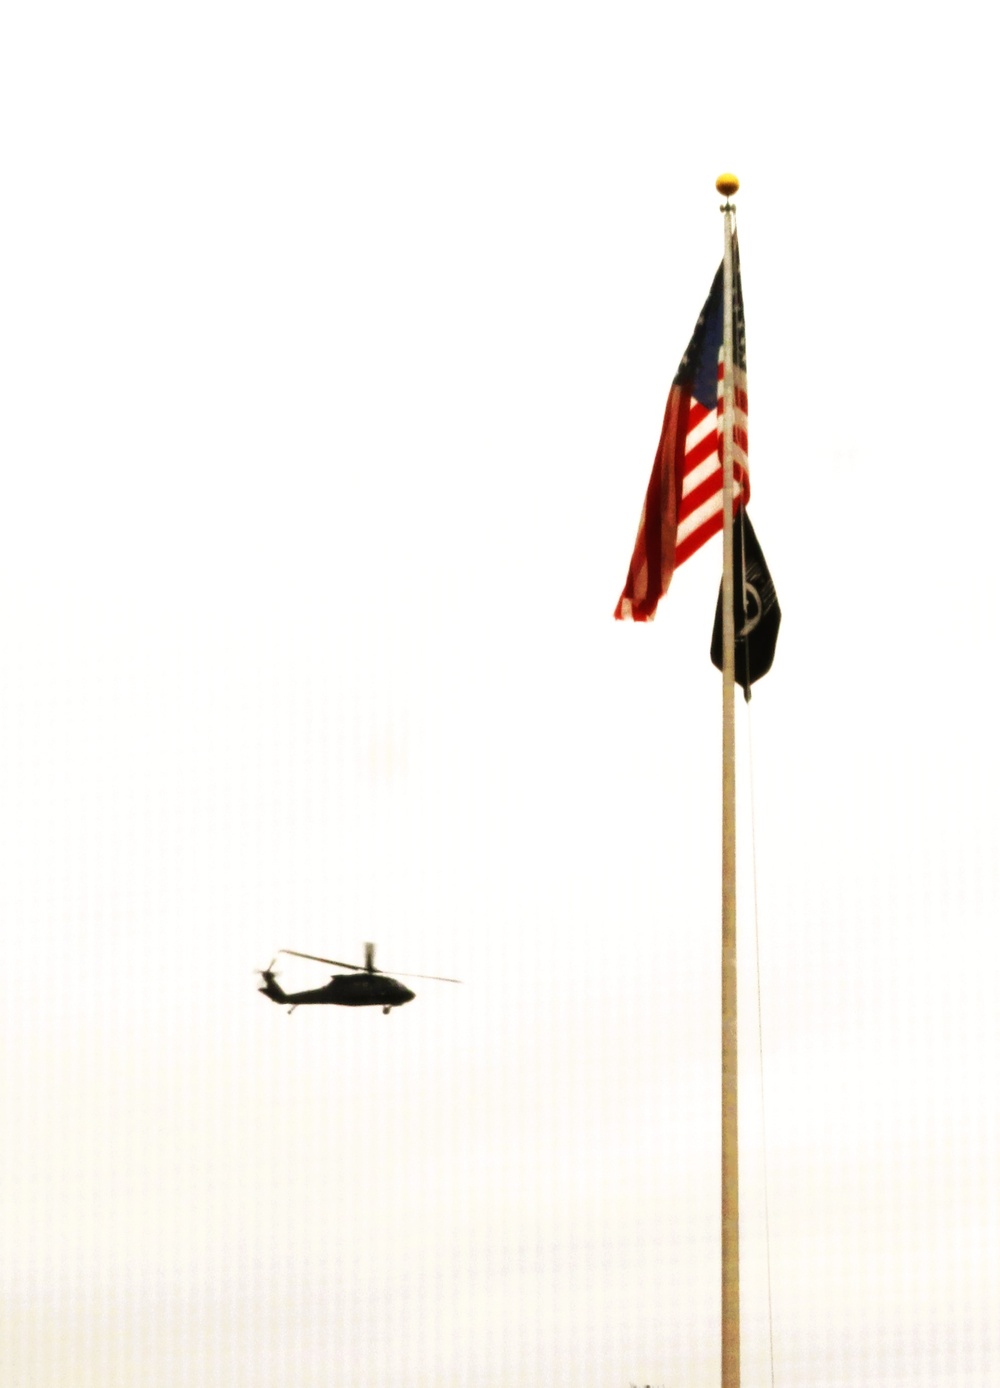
(699,516)
(683,504)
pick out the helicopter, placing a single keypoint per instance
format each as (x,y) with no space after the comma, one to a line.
(365,986)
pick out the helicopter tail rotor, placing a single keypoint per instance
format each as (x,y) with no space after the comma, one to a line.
(271,987)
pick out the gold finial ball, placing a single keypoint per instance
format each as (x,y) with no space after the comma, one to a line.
(727,184)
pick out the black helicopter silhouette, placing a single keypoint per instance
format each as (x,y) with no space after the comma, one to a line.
(365,986)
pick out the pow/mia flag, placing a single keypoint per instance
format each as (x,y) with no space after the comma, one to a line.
(755,608)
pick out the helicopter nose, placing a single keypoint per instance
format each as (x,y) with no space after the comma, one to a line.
(405,994)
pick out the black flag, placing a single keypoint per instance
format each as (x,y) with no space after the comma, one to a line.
(755,608)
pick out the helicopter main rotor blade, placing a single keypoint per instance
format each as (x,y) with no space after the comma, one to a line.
(358,968)
(361,968)
(434,978)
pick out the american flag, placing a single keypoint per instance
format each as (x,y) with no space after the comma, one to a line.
(683,506)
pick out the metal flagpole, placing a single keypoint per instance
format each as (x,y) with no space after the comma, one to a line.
(727,184)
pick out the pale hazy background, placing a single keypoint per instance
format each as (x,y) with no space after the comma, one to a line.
(334,344)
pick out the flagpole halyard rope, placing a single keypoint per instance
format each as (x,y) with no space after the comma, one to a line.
(760,1044)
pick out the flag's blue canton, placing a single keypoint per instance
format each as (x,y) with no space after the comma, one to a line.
(699,368)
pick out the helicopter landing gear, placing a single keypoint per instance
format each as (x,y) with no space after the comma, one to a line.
(386,1010)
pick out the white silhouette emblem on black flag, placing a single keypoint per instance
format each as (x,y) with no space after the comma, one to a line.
(756,613)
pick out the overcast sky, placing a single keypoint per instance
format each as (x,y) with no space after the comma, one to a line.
(334,346)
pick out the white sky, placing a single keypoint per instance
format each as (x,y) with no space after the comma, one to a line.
(334,343)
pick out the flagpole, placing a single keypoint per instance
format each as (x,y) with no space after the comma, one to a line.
(727,184)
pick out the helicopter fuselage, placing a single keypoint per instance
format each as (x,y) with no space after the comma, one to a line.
(362,989)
